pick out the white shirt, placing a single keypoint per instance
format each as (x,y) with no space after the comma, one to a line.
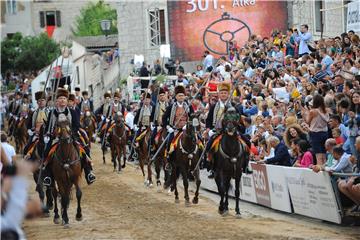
(208,61)
(9,151)
(129,120)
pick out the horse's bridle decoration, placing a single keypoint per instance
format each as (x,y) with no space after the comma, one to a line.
(232,159)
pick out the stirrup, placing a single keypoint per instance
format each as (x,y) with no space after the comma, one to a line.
(90,178)
(47,181)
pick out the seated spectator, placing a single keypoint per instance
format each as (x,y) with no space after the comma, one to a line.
(281,154)
(305,157)
(351,189)
(344,164)
(336,133)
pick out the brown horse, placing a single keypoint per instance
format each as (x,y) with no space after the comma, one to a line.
(88,123)
(144,155)
(20,134)
(160,160)
(186,155)
(117,141)
(66,168)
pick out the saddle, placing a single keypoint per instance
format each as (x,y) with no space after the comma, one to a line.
(142,134)
(54,147)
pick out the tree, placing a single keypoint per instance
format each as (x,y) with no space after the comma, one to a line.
(25,54)
(36,53)
(9,52)
(88,22)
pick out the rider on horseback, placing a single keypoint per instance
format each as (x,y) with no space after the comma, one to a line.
(144,117)
(86,103)
(175,119)
(37,119)
(62,96)
(214,121)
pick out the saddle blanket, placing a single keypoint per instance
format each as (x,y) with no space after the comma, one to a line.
(54,147)
(141,135)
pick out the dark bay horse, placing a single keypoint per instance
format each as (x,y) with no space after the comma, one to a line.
(117,141)
(160,160)
(144,155)
(66,168)
(229,161)
(88,123)
(186,156)
(20,134)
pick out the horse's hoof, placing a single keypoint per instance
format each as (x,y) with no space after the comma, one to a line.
(225,213)
(79,218)
(195,201)
(57,220)
(151,185)
(118,171)
(46,214)
(177,201)
(187,203)
(66,225)
(123,166)
(238,215)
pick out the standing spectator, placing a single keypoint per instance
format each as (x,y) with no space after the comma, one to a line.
(326,62)
(290,43)
(208,61)
(8,149)
(354,121)
(317,118)
(303,38)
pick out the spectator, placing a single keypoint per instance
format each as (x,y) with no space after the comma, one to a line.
(317,118)
(8,149)
(326,62)
(281,154)
(303,38)
(305,158)
(208,62)
(294,131)
(290,43)
(344,164)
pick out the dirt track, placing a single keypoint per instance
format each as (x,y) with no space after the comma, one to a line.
(118,206)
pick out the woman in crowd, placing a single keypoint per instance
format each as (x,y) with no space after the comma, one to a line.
(294,131)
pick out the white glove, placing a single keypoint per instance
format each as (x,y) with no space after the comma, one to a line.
(10,114)
(184,128)
(159,128)
(30,132)
(136,128)
(152,127)
(107,120)
(102,118)
(211,133)
(108,134)
(170,129)
(16,118)
(46,139)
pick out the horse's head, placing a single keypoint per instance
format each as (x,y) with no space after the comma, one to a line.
(119,119)
(192,125)
(231,121)
(63,127)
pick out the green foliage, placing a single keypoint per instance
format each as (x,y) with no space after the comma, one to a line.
(88,22)
(123,82)
(25,54)
(36,53)
(160,79)
(9,52)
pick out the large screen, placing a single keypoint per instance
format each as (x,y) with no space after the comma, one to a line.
(198,25)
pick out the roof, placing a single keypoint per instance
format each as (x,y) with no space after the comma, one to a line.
(97,41)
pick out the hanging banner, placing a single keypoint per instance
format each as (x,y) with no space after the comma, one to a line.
(312,194)
(353,16)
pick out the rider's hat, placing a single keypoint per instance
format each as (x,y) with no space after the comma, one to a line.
(161,91)
(77,88)
(224,87)
(107,95)
(39,95)
(85,92)
(147,95)
(117,94)
(72,97)
(179,89)
(61,92)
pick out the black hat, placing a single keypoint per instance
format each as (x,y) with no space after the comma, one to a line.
(39,95)
(72,97)
(147,95)
(77,89)
(84,92)
(179,89)
(161,91)
(61,92)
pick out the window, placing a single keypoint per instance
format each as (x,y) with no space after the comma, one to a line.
(319,16)
(345,3)
(10,35)
(50,18)
(11,6)
(157,27)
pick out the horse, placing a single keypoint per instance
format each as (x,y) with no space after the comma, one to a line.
(66,169)
(186,156)
(20,134)
(144,155)
(160,160)
(118,141)
(88,123)
(35,152)
(229,160)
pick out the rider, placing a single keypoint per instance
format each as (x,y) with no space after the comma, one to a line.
(105,111)
(144,117)
(14,111)
(175,119)
(160,108)
(61,107)
(86,103)
(37,120)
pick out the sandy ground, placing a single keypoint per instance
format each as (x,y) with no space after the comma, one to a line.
(118,206)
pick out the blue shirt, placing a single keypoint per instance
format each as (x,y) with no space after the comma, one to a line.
(327,61)
(303,39)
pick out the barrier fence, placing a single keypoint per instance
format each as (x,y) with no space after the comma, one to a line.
(291,190)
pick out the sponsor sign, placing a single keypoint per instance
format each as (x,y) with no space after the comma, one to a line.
(261,184)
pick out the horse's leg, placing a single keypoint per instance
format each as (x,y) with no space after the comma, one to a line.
(219,182)
(113,156)
(118,157)
(124,154)
(157,170)
(184,174)
(78,197)
(227,187)
(198,182)
(56,210)
(149,172)
(49,198)
(174,178)
(237,195)
(65,199)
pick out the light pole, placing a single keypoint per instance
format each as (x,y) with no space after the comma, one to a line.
(105,26)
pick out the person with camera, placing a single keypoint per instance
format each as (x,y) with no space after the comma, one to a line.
(303,38)
(208,62)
